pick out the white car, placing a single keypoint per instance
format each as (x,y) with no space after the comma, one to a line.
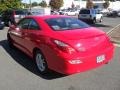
(119,13)
(92,15)
(71,12)
(105,12)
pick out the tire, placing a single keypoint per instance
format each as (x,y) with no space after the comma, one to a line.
(94,21)
(101,19)
(1,27)
(10,42)
(76,14)
(66,14)
(6,24)
(41,62)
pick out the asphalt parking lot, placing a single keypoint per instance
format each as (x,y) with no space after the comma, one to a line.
(18,72)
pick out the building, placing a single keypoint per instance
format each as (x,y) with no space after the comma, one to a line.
(77,3)
(82,3)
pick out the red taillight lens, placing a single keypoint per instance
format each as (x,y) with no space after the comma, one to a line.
(64,47)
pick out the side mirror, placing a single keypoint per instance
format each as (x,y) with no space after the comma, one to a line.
(12,26)
(17,29)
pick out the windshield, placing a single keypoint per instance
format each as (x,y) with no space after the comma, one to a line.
(84,11)
(66,23)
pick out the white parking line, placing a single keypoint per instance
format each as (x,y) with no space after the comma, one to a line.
(111,30)
(117,45)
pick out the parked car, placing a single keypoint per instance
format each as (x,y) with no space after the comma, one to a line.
(61,43)
(71,12)
(105,12)
(40,11)
(113,14)
(119,13)
(53,12)
(1,23)
(92,15)
(13,16)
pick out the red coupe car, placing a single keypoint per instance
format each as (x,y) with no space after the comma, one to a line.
(61,43)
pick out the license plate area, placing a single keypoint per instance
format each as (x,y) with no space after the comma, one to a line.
(100,58)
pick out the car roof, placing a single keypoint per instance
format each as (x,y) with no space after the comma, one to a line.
(46,16)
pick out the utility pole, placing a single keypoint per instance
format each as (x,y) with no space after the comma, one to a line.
(30,5)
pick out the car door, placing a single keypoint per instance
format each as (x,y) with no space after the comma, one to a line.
(31,35)
(20,33)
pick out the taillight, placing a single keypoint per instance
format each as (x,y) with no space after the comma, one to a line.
(64,47)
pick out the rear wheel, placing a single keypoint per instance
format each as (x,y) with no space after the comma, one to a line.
(101,19)
(94,21)
(6,23)
(66,14)
(40,62)
(76,14)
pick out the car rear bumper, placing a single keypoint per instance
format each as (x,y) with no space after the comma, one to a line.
(63,65)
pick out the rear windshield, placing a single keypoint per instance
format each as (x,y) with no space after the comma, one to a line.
(84,11)
(65,23)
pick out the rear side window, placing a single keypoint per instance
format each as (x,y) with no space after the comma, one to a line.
(24,24)
(33,25)
(84,11)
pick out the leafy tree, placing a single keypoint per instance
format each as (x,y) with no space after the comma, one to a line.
(9,4)
(34,4)
(89,4)
(56,4)
(73,6)
(43,4)
(106,4)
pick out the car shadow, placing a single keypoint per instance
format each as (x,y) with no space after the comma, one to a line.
(22,59)
(99,25)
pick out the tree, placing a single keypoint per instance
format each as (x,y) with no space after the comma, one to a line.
(34,4)
(89,4)
(43,4)
(106,4)
(56,4)
(10,4)
(73,6)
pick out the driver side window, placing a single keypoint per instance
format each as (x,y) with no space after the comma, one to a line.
(33,25)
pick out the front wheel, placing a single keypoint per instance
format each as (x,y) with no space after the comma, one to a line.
(40,62)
